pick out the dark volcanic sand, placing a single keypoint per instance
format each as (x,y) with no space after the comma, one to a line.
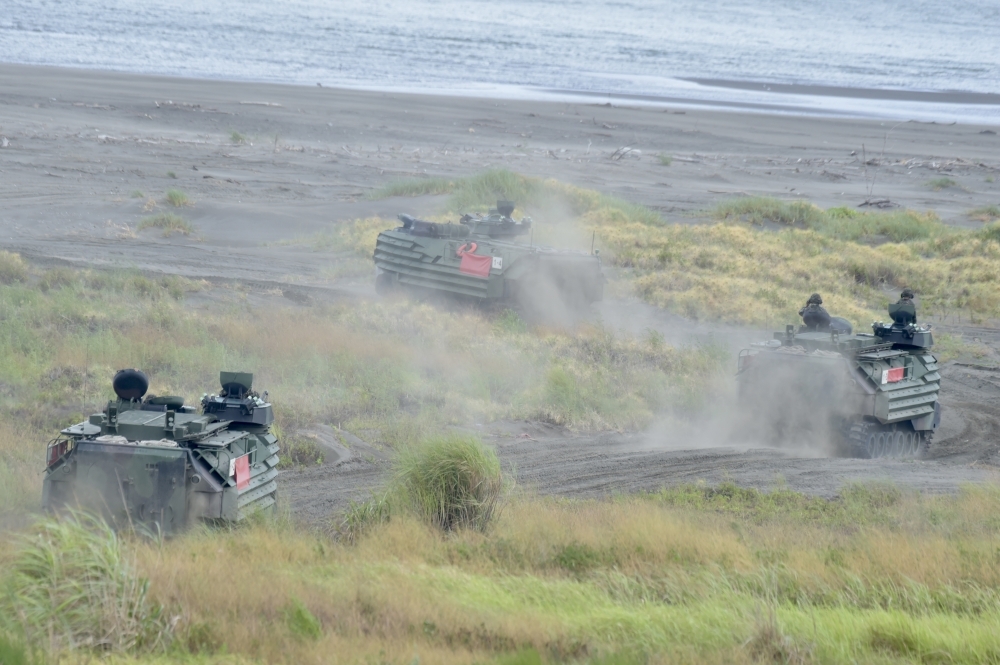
(76,144)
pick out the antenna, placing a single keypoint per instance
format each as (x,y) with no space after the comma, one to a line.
(86,371)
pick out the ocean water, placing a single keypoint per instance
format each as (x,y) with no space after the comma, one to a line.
(544,48)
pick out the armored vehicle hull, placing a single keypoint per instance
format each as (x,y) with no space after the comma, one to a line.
(871,395)
(158,465)
(481,259)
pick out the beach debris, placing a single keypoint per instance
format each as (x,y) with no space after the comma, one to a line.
(4,142)
(621,152)
(988,131)
(878,203)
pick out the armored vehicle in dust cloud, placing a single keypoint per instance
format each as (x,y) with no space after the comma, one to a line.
(872,394)
(485,258)
(157,464)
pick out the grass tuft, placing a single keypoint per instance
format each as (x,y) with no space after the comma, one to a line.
(450,482)
(171,175)
(937,184)
(665,160)
(453,482)
(301,621)
(72,585)
(168,222)
(990,213)
(138,194)
(12,268)
(237,138)
(177,198)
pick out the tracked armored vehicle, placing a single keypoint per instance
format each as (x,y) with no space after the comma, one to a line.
(159,465)
(869,394)
(488,259)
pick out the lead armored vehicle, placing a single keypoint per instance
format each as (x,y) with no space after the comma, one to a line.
(155,463)
(488,259)
(870,394)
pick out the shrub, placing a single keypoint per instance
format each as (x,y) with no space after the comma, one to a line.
(988,213)
(937,184)
(452,482)
(177,198)
(12,267)
(168,222)
(72,585)
(665,160)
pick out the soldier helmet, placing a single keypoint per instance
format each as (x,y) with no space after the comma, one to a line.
(815,299)
(907,293)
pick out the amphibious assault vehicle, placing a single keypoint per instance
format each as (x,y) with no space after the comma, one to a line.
(871,394)
(157,464)
(485,258)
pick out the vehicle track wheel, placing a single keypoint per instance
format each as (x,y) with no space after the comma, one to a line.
(385,283)
(899,444)
(871,446)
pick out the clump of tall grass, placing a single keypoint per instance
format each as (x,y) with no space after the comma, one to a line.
(937,184)
(177,198)
(236,138)
(453,482)
(841,223)
(12,267)
(450,482)
(168,222)
(988,213)
(412,187)
(665,160)
(72,584)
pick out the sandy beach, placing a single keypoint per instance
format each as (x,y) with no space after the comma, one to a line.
(77,145)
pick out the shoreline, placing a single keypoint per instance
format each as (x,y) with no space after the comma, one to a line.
(750,96)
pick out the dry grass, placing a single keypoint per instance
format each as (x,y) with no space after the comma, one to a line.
(168,222)
(392,372)
(937,184)
(687,575)
(990,213)
(737,272)
(177,198)
(12,268)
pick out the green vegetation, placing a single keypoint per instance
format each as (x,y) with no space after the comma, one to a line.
(841,223)
(168,222)
(450,482)
(392,374)
(171,175)
(177,198)
(138,194)
(71,585)
(237,138)
(990,213)
(665,160)
(734,272)
(937,184)
(688,574)
(12,268)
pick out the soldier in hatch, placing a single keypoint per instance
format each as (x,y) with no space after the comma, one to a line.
(904,312)
(814,316)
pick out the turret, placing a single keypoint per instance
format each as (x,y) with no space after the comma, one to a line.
(498,223)
(238,402)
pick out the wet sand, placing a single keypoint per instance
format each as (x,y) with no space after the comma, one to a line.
(75,145)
